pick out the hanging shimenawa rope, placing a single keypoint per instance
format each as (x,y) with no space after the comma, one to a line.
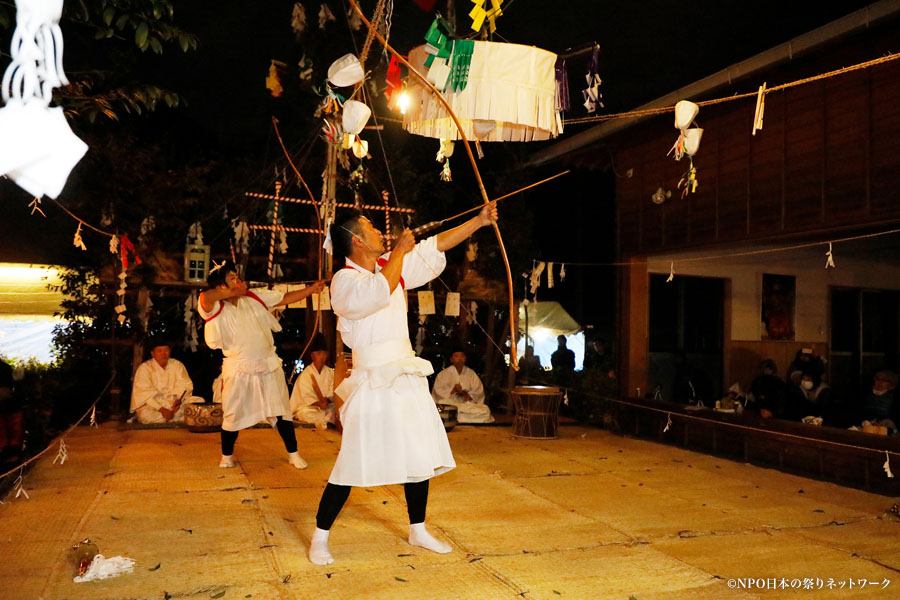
(777,88)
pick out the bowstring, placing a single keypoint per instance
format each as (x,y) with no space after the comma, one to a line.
(410,220)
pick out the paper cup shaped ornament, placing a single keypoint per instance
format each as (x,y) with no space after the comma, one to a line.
(685,113)
(345,71)
(360,148)
(692,140)
(356,115)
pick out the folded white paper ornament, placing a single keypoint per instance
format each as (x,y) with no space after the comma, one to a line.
(355,116)
(685,112)
(345,71)
(692,140)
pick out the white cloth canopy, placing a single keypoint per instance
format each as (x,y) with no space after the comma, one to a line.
(511,85)
(548,316)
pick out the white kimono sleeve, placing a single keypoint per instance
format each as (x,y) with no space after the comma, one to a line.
(356,295)
(423,264)
(143,390)
(472,385)
(270,297)
(303,393)
(443,384)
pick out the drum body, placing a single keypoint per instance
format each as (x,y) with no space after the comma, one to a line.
(205,417)
(537,412)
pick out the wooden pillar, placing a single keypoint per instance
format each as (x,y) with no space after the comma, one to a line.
(634,327)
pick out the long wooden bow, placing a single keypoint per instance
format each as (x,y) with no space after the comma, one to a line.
(513,359)
(315,204)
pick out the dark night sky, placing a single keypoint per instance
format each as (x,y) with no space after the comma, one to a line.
(648,49)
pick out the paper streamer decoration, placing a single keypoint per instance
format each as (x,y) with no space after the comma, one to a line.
(63,455)
(671,272)
(426,302)
(829,258)
(452,308)
(473,311)
(300,303)
(550,275)
(536,276)
(668,422)
(887,465)
(322,300)
(760,109)
(39,149)
(478,14)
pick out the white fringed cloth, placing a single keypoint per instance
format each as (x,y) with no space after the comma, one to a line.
(510,84)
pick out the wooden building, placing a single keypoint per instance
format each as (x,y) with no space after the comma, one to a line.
(825,167)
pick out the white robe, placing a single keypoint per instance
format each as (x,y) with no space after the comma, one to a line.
(253,385)
(468,412)
(303,396)
(393,432)
(155,387)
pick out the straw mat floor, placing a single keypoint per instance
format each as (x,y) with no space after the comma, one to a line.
(591,515)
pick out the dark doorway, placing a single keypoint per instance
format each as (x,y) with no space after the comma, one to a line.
(686,332)
(864,339)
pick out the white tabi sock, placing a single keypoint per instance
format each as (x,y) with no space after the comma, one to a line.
(227,462)
(419,536)
(295,459)
(318,548)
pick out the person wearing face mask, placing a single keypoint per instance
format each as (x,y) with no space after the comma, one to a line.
(811,397)
(879,405)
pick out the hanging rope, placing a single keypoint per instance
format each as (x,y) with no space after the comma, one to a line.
(377,17)
(666,109)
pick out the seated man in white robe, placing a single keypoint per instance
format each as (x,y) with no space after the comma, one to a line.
(161,387)
(312,399)
(460,386)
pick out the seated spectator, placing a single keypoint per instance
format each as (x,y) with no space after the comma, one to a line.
(563,359)
(880,406)
(805,361)
(12,429)
(769,391)
(598,358)
(312,399)
(161,387)
(460,386)
(811,398)
(530,369)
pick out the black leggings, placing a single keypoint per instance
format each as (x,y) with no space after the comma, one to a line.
(334,496)
(285,430)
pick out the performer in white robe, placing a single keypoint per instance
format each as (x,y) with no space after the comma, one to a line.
(240,323)
(161,387)
(460,386)
(392,430)
(312,397)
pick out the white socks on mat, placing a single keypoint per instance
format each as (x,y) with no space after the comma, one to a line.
(419,536)
(318,548)
(227,462)
(295,459)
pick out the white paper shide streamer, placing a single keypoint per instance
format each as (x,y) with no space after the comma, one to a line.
(39,149)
